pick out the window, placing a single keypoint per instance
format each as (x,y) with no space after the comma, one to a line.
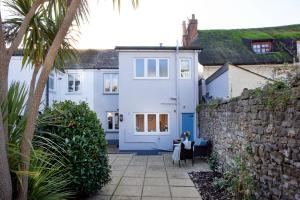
(111,83)
(185,68)
(73,82)
(112,121)
(51,81)
(298,48)
(147,123)
(262,47)
(152,68)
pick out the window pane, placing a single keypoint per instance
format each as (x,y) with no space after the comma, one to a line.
(163,123)
(116,121)
(139,121)
(139,68)
(151,122)
(185,69)
(109,121)
(77,82)
(151,67)
(114,82)
(70,83)
(163,68)
(107,82)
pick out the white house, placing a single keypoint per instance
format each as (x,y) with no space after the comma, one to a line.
(144,96)
(230,80)
(158,95)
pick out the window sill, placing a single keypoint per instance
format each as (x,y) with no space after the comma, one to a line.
(112,131)
(154,78)
(110,93)
(73,93)
(152,133)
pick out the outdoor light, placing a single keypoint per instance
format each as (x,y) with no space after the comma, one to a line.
(121,118)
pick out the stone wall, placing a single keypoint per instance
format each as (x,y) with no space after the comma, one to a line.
(271,130)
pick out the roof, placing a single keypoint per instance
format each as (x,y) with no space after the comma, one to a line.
(96,59)
(154,48)
(225,68)
(234,45)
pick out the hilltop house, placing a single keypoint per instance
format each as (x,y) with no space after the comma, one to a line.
(269,52)
(144,96)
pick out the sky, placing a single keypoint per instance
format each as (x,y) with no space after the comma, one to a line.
(159,21)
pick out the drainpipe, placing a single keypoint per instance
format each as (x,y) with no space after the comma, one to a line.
(177,90)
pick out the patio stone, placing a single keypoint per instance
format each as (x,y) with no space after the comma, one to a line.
(154,173)
(115,180)
(156,181)
(181,182)
(121,162)
(185,192)
(108,190)
(156,198)
(117,173)
(125,198)
(132,181)
(134,173)
(130,191)
(118,167)
(156,191)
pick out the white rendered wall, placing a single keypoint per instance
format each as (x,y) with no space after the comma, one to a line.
(219,87)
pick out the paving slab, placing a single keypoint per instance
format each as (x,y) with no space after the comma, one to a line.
(108,190)
(117,173)
(115,180)
(118,167)
(185,192)
(156,181)
(134,173)
(181,182)
(125,198)
(132,181)
(130,191)
(156,191)
(156,198)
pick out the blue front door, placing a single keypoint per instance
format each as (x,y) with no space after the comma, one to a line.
(188,124)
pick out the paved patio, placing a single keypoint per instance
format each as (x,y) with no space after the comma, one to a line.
(150,178)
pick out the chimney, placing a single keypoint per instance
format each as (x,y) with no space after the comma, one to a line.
(190,33)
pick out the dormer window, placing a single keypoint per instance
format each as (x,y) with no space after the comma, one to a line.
(261,47)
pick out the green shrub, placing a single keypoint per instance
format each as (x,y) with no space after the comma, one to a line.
(84,141)
(213,161)
(238,181)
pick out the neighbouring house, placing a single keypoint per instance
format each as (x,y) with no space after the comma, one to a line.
(271,52)
(227,83)
(144,96)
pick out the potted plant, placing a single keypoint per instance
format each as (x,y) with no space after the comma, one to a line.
(186,135)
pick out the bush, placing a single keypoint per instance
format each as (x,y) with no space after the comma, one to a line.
(213,161)
(84,141)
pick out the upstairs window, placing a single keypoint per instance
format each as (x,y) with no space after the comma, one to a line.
(151,68)
(73,82)
(261,47)
(185,68)
(111,85)
(51,81)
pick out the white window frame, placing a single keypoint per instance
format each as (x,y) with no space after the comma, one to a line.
(114,120)
(110,90)
(51,76)
(190,68)
(80,85)
(146,132)
(146,68)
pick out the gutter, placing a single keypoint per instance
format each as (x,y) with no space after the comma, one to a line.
(177,90)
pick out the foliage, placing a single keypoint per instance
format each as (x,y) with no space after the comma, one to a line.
(84,141)
(238,180)
(273,94)
(47,175)
(213,161)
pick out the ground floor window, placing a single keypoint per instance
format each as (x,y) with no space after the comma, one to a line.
(151,122)
(112,121)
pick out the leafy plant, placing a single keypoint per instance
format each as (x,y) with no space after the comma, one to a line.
(238,181)
(47,175)
(84,141)
(213,161)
